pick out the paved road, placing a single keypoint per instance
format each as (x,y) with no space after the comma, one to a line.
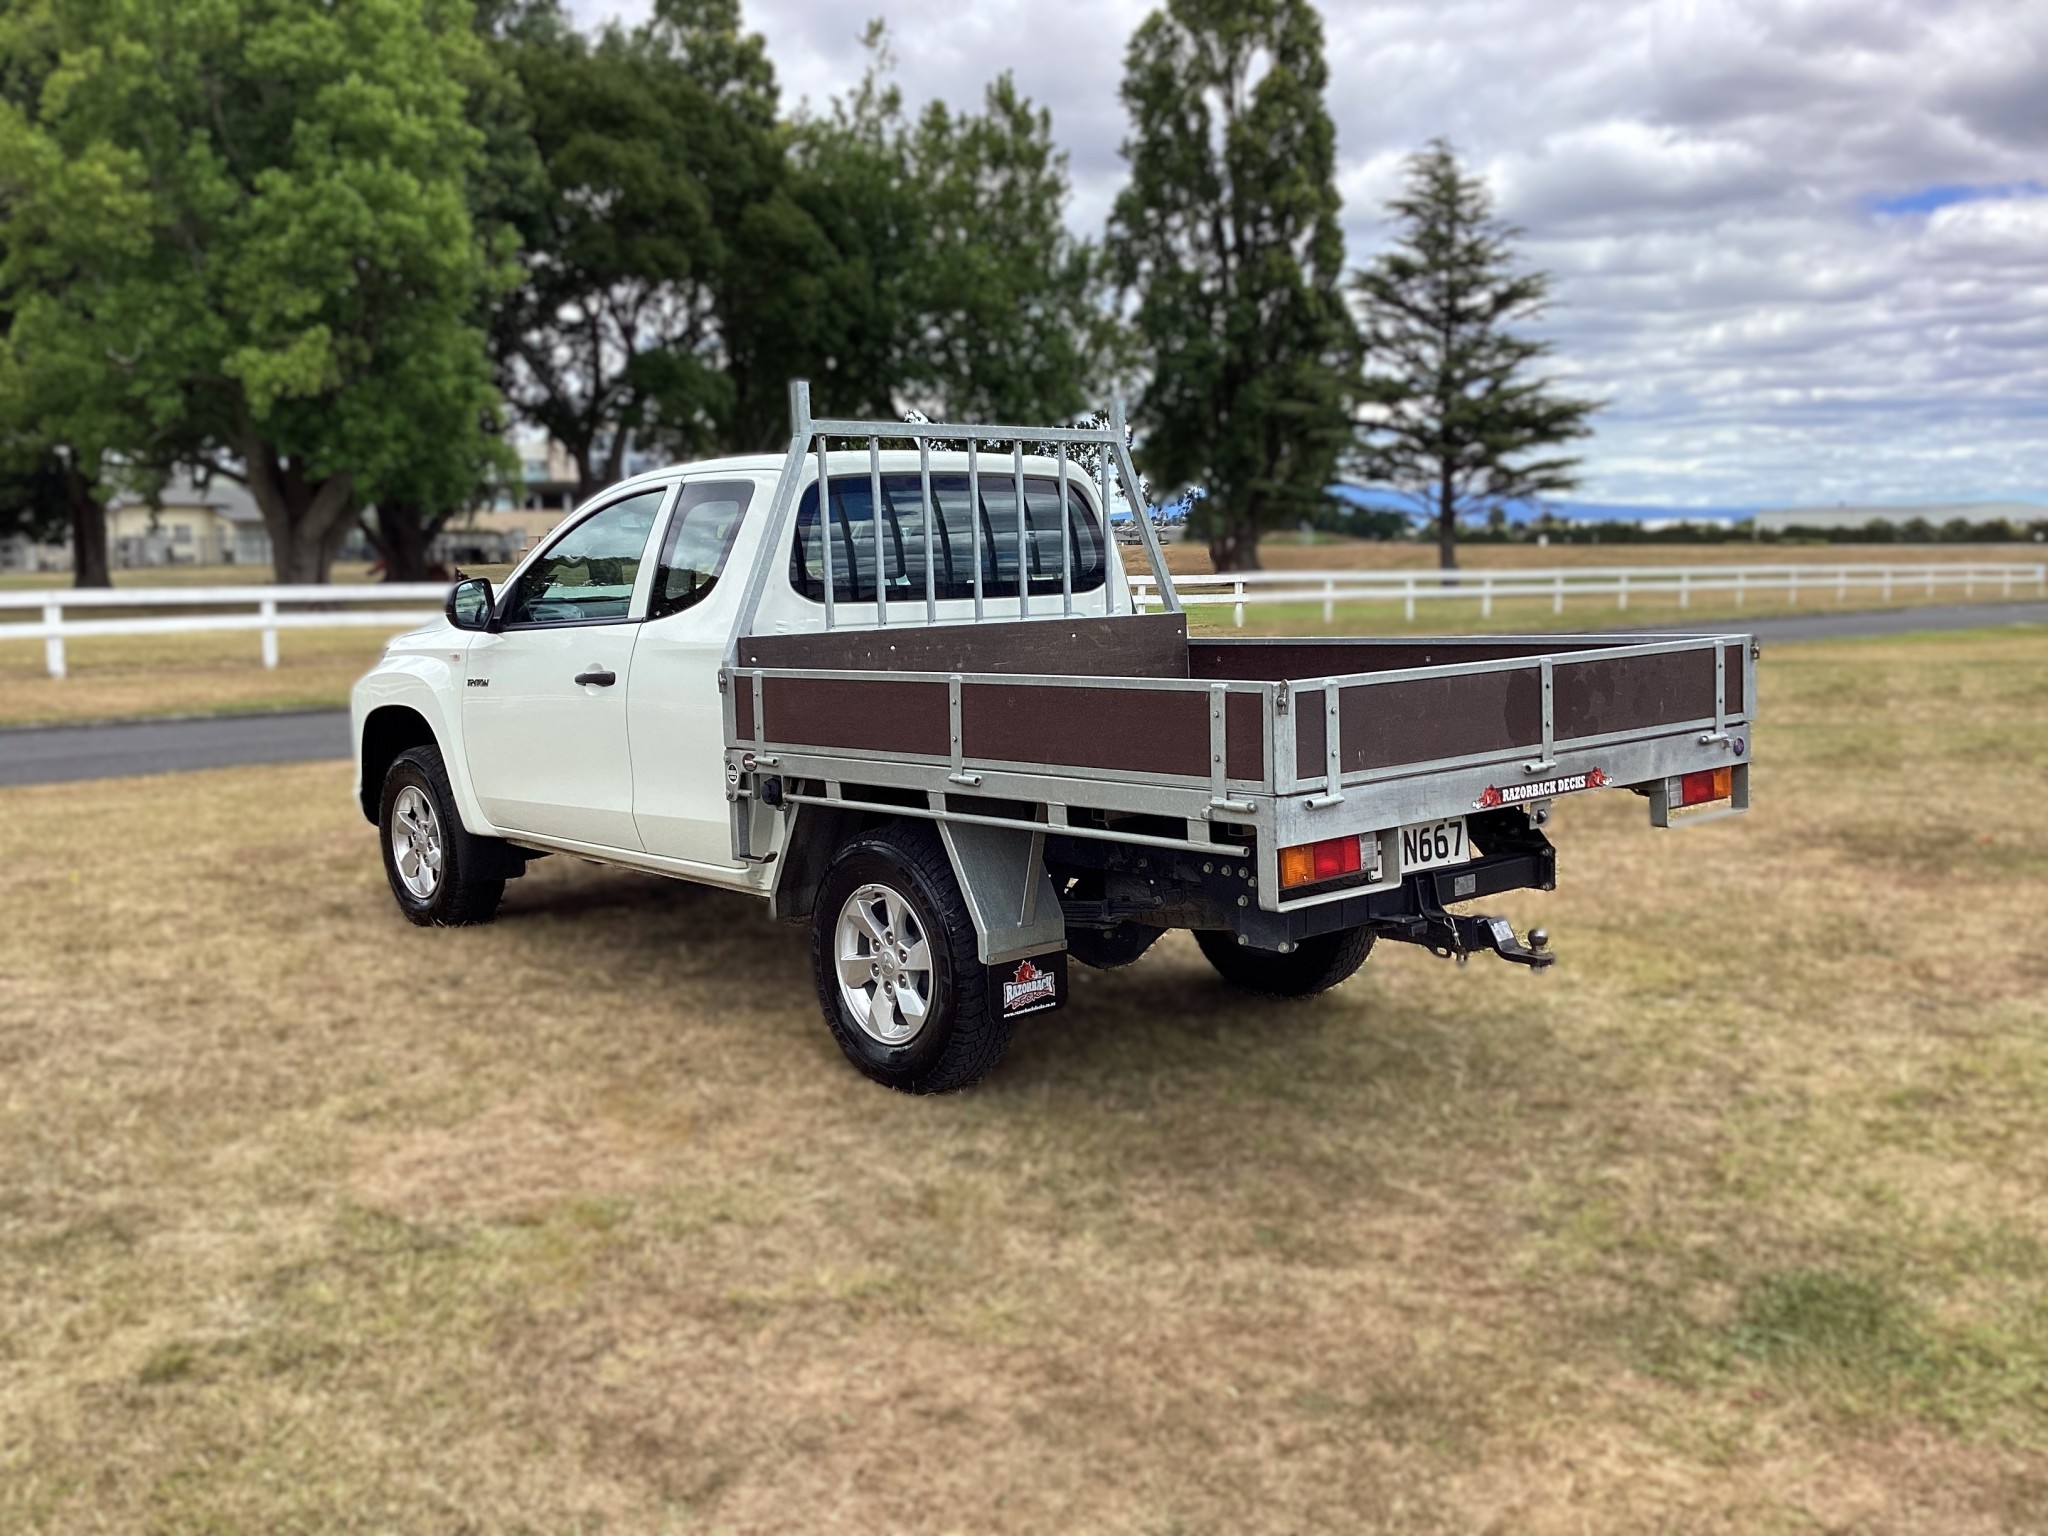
(1889,621)
(49,754)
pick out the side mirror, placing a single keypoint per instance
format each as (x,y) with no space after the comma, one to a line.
(469,604)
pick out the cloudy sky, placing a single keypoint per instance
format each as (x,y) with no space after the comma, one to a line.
(1801,245)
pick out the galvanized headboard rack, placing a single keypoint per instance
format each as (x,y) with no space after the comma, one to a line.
(810,436)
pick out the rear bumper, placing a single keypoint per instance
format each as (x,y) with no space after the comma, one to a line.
(1407,903)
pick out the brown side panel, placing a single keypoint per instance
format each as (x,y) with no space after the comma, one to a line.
(1128,645)
(1311,734)
(743,706)
(1423,719)
(908,717)
(1128,730)
(1732,679)
(1244,740)
(1632,693)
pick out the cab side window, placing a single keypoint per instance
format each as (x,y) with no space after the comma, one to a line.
(700,536)
(587,574)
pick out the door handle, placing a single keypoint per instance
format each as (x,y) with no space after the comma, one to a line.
(597,677)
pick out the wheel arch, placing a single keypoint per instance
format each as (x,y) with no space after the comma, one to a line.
(388,730)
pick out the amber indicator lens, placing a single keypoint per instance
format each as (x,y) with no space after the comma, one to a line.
(1330,859)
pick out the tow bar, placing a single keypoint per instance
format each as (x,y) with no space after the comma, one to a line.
(1455,937)
(1498,935)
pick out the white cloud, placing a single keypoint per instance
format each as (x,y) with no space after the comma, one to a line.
(1705,179)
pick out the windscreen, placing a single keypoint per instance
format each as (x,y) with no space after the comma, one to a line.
(895,542)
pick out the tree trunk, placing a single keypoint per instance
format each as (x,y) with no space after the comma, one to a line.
(1235,546)
(403,535)
(308,520)
(89,564)
(1446,527)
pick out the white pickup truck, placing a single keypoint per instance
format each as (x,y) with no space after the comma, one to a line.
(932,724)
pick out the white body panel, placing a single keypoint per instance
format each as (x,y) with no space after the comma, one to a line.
(634,773)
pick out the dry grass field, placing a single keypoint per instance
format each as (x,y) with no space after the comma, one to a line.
(1735,1222)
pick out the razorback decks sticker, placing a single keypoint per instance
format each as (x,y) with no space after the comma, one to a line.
(1541,789)
(1028,986)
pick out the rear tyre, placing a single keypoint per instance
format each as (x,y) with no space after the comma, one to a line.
(899,976)
(436,868)
(1316,965)
(1108,949)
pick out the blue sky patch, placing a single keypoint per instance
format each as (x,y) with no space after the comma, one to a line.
(1927,199)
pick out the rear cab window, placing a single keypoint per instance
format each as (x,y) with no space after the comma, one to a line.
(894,543)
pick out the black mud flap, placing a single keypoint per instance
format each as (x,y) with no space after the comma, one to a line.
(1037,985)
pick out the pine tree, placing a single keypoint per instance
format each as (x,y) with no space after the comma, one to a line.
(1228,235)
(1454,415)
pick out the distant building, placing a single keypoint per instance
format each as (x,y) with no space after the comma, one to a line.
(1778,519)
(217,524)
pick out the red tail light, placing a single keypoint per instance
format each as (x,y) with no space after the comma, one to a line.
(1708,784)
(1313,863)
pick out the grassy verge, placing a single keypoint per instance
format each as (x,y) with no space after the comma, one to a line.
(312,1220)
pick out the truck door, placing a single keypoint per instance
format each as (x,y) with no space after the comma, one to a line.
(544,709)
(675,712)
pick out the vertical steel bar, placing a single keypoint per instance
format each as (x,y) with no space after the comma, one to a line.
(875,525)
(1066,540)
(1109,549)
(974,515)
(931,530)
(1219,747)
(1333,741)
(1023,533)
(825,529)
(1127,472)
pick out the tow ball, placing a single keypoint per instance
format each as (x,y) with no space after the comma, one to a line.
(1457,937)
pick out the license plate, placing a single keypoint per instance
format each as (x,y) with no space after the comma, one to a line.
(1428,844)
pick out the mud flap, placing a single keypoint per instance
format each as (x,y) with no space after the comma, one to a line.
(1036,985)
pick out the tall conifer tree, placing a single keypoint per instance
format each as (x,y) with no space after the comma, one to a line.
(1454,415)
(1227,234)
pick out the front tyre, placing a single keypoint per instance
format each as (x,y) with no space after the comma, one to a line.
(1316,965)
(433,864)
(899,977)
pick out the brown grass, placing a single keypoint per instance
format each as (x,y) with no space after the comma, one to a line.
(310,1220)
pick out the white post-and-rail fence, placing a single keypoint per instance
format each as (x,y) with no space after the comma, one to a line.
(56,615)
(1886,583)
(263,609)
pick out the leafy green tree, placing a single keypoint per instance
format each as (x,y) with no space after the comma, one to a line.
(1227,234)
(1454,416)
(654,141)
(936,270)
(253,215)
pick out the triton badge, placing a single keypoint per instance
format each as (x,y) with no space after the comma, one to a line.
(1542,789)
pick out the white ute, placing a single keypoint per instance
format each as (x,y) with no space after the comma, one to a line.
(960,778)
